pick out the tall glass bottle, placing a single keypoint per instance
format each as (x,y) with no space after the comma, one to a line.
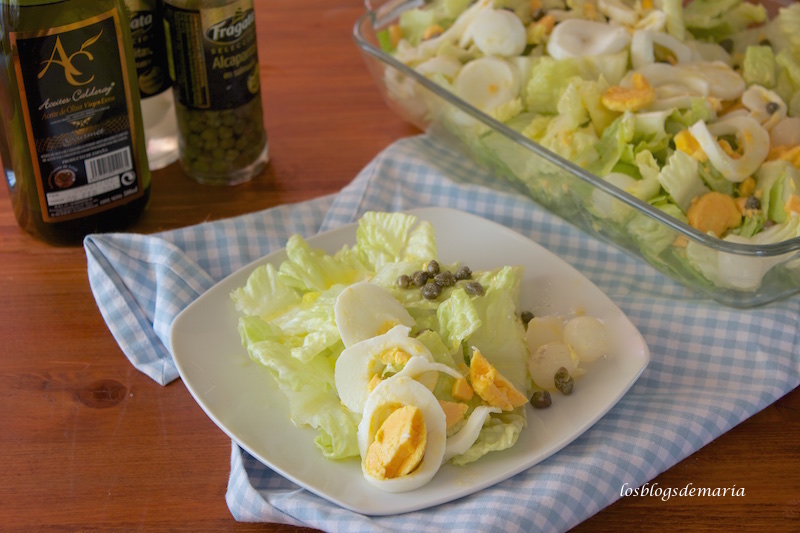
(158,108)
(214,67)
(72,143)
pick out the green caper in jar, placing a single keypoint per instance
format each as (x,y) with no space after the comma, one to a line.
(220,142)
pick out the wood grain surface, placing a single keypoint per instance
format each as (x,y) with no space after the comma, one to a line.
(89,443)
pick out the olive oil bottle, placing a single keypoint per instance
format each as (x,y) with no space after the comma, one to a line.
(72,142)
(214,66)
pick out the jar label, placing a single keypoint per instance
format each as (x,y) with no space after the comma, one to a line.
(77,109)
(149,48)
(213,54)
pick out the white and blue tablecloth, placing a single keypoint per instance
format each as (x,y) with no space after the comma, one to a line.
(711,366)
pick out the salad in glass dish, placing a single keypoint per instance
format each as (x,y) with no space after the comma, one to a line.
(671,130)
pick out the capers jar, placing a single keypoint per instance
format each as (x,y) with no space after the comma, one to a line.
(71,136)
(214,66)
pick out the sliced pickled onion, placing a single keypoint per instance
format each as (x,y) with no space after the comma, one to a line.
(764,105)
(643,47)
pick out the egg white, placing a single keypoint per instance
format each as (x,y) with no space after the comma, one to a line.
(404,390)
(357,364)
(364,310)
(463,440)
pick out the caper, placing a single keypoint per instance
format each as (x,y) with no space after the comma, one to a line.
(225,132)
(194,140)
(752,203)
(420,278)
(765,42)
(526,317)
(563,381)
(463,273)
(727,44)
(772,108)
(403,281)
(541,399)
(243,143)
(431,291)
(444,279)
(432,267)
(474,288)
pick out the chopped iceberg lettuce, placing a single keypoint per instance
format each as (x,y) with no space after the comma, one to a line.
(681,179)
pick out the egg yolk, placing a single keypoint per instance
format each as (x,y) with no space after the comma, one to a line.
(394,356)
(714,212)
(453,412)
(399,444)
(492,386)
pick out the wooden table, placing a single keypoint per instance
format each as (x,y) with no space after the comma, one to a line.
(88,442)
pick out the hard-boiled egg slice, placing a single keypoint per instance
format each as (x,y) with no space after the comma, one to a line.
(750,135)
(364,310)
(468,434)
(581,38)
(487,83)
(723,82)
(359,367)
(618,11)
(498,32)
(401,436)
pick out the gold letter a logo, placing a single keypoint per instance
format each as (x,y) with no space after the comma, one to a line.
(60,57)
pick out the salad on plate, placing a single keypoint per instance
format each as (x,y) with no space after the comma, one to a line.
(694,110)
(401,361)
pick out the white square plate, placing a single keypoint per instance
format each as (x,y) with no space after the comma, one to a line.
(240,396)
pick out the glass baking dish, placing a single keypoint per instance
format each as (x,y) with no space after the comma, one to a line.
(752,275)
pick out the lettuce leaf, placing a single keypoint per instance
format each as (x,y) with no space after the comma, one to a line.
(500,432)
(500,336)
(264,294)
(739,271)
(681,179)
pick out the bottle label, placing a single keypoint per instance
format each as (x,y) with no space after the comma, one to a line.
(77,108)
(213,53)
(149,47)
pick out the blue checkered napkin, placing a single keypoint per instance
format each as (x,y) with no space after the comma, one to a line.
(711,367)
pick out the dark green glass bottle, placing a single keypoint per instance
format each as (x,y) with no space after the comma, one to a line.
(72,140)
